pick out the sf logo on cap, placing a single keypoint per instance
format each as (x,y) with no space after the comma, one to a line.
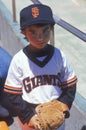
(35,12)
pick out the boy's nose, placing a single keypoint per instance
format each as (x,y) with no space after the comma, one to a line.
(40,36)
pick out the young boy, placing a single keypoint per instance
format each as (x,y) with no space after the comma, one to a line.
(39,72)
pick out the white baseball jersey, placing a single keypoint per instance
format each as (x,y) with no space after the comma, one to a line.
(39,84)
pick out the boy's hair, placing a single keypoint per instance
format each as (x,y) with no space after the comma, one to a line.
(36,14)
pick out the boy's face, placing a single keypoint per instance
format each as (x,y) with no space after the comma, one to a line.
(38,36)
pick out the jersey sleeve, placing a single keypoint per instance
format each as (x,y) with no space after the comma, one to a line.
(67,74)
(13,83)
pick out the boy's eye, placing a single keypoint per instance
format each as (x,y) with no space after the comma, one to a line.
(32,32)
(47,29)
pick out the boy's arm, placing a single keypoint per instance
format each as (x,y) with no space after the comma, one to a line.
(68,95)
(23,109)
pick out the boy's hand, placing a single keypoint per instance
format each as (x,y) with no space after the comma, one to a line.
(36,123)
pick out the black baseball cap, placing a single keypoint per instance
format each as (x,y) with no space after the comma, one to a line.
(36,14)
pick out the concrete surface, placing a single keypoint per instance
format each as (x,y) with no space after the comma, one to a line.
(74,12)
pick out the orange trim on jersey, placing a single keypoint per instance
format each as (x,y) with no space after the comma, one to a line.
(68,83)
(69,80)
(12,90)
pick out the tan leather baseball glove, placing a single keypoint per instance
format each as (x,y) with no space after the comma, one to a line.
(50,115)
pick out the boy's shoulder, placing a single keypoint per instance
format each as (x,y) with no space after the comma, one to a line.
(18,56)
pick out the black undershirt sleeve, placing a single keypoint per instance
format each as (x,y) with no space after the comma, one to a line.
(68,95)
(2,81)
(23,109)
